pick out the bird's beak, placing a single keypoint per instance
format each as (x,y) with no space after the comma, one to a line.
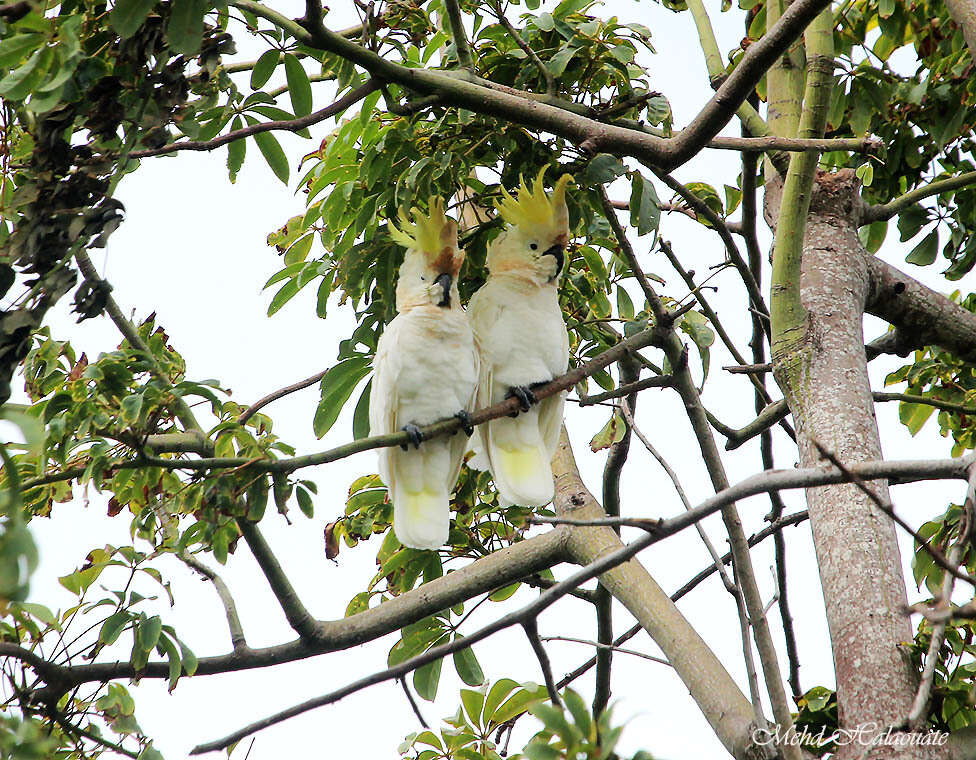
(445,281)
(556,252)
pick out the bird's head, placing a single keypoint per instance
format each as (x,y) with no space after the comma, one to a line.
(428,275)
(534,243)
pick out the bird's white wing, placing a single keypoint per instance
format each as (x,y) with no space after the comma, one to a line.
(383,401)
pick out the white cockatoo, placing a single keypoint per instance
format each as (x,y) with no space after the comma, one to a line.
(522,339)
(426,369)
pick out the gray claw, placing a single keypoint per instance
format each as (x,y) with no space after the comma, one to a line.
(415,437)
(525,396)
(466,424)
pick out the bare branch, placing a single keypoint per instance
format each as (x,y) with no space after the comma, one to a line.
(237,639)
(413,703)
(921,315)
(612,647)
(444,427)
(280,393)
(731,249)
(749,368)
(532,633)
(661,381)
(298,617)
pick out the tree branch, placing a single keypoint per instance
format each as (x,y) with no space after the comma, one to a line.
(460,39)
(444,427)
(237,639)
(526,48)
(280,393)
(298,617)
(659,381)
(893,207)
(131,334)
(731,249)
(922,316)
(290,125)
(532,633)
(460,91)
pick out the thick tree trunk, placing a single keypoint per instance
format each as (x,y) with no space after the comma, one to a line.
(823,374)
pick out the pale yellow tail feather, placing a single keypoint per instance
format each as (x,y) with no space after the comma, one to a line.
(421,519)
(522,475)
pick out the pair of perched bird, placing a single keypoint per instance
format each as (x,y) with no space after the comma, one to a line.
(436,360)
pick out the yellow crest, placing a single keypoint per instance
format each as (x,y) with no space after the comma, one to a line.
(433,234)
(535,209)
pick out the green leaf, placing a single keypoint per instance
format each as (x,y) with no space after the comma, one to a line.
(305,502)
(113,627)
(131,408)
(645,210)
(577,708)
(914,416)
(467,667)
(625,306)
(147,632)
(299,88)
(925,252)
(13,49)
(185,28)
(603,168)
(287,291)
(865,173)
(611,433)
(19,82)
(911,221)
(360,417)
(127,16)
(264,67)
(498,691)
(173,655)
(272,152)
(337,386)
(557,64)
(473,701)
(518,703)
(873,235)
(566,7)
(544,22)
(235,151)
(426,679)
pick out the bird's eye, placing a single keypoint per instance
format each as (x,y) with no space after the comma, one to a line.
(534,246)
(423,278)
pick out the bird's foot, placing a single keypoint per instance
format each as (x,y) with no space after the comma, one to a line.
(525,396)
(466,424)
(414,433)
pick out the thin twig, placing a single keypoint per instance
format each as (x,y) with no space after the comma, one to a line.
(531,629)
(916,715)
(237,638)
(547,76)
(612,647)
(888,508)
(661,381)
(413,703)
(280,393)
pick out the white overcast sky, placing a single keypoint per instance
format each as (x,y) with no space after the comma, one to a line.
(193,250)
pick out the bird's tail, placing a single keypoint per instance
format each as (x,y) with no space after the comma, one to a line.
(520,460)
(421,519)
